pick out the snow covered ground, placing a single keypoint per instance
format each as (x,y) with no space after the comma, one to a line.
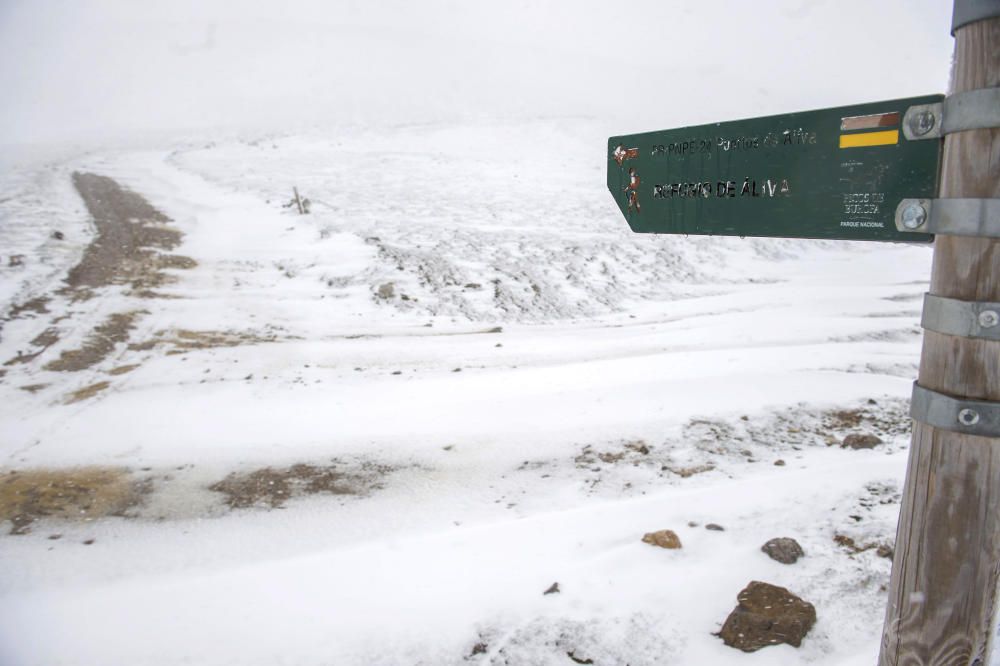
(509,386)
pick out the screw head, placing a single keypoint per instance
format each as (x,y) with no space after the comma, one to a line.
(922,122)
(914,215)
(968,417)
(989,318)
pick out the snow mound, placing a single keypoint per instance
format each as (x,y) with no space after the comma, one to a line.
(489,223)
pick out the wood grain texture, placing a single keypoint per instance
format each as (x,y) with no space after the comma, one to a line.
(943,592)
(943,589)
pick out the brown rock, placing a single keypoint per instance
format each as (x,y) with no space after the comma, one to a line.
(663,539)
(767,615)
(856,441)
(783,549)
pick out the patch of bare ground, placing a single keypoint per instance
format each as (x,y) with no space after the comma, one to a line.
(36,305)
(130,248)
(889,419)
(46,338)
(796,427)
(86,392)
(78,494)
(23,358)
(131,238)
(851,546)
(43,341)
(635,453)
(122,369)
(274,486)
(687,472)
(627,451)
(723,445)
(843,418)
(33,388)
(182,340)
(98,345)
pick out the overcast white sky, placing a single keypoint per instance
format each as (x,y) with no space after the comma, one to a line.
(93,69)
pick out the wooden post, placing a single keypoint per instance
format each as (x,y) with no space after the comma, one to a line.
(298,201)
(942,607)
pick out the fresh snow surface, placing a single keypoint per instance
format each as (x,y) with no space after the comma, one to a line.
(528,348)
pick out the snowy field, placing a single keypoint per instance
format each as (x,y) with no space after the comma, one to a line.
(431,421)
(507,387)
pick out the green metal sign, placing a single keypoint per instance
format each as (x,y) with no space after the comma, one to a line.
(833,173)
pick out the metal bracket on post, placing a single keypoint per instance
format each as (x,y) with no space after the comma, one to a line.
(951,217)
(971,417)
(966,319)
(969,110)
(970,11)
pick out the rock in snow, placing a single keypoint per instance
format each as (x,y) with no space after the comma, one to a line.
(663,539)
(783,549)
(856,441)
(767,615)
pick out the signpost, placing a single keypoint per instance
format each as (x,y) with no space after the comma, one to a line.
(834,173)
(942,606)
(871,172)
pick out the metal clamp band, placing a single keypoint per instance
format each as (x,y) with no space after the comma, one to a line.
(970,11)
(969,110)
(971,417)
(951,217)
(967,319)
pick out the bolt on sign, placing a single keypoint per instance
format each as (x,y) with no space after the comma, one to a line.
(833,173)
